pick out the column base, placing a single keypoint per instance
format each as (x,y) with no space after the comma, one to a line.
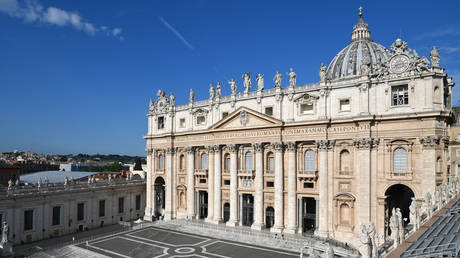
(208,220)
(168,216)
(232,223)
(290,230)
(258,226)
(324,234)
(277,229)
(217,221)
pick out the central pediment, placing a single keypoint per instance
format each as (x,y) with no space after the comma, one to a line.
(244,117)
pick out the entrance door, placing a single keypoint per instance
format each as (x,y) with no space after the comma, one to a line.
(248,209)
(203,204)
(308,214)
(159,191)
(226,211)
(269,217)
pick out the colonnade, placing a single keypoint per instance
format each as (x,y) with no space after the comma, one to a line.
(214,189)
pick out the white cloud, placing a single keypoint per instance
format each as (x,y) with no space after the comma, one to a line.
(33,11)
(441,32)
(173,30)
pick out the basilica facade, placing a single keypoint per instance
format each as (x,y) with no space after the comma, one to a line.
(320,158)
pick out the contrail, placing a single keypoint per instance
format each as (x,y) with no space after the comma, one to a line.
(173,30)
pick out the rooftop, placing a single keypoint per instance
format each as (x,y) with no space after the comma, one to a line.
(54,176)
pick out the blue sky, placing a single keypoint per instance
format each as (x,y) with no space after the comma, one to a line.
(77,76)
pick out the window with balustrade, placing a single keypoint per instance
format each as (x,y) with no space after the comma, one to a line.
(345,162)
(161,162)
(270,162)
(227,162)
(204,161)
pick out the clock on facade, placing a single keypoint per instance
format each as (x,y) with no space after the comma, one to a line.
(399,64)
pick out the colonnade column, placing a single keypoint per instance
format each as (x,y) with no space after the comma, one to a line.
(210,184)
(150,193)
(322,230)
(279,188)
(291,223)
(191,182)
(217,185)
(259,188)
(169,190)
(233,221)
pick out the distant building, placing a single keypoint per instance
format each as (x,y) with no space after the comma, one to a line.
(8,172)
(34,213)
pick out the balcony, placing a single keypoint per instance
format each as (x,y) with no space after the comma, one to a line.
(399,175)
(201,172)
(246,173)
(309,175)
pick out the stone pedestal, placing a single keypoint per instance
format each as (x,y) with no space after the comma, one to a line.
(6,250)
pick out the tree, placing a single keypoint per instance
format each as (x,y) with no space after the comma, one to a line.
(138,165)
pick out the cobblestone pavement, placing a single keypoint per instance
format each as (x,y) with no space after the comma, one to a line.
(162,242)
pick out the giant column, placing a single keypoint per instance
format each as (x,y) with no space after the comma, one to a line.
(259,188)
(191,183)
(429,144)
(210,184)
(291,223)
(363,147)
(323,146)
(217,185)
(233,221)
(169,191)
(279,188)
(150,193)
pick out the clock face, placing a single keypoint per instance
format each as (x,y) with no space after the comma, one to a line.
(399,64)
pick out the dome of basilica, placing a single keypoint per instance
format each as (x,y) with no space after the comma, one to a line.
(361,50)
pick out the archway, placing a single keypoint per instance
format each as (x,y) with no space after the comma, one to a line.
(159,191)
(398,196)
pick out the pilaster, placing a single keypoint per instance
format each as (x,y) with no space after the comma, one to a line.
(279,187)
(259,188)
(190,182)
(323,147)
(291,153)
(233,221)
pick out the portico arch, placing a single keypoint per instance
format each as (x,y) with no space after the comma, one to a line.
(398,196)
(159,191)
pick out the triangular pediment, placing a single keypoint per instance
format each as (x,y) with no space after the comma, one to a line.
(245,117)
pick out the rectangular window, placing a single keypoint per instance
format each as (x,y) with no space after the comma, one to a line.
(224,115)
(308,185)
(345,105)
(226,182)
(201,120)
(202,181)
(138,202)
(80,211)
(182,123)
(56,215)
(121,204)
(161,122)
(269,111)
(270,184)
(28,220)
(101,208)
(227,164)
(306,109)
(399,95)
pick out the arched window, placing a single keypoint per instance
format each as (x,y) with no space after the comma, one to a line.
(345,162)
(400,160)
(204,161)
(345,214)
(309,160)
(270,162)
(248,161)
(182,162)
(161,162)
(226,162)
(438,165)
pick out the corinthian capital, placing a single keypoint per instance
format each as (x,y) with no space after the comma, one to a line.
(170,150)
(430,141)
(258,147)
(277,146)
(216,148)
(232,148)
(210,149)
(325,144)
(366,143)
(290,146)
(149,151)
(190,149)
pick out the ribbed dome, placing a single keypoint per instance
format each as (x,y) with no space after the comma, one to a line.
(361,50)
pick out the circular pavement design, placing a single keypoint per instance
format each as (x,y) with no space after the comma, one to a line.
(184,250)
